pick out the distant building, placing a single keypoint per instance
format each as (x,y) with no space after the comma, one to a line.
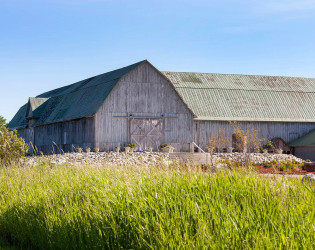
(305,146)
(142,105)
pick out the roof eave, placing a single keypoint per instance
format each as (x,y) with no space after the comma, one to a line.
(66,120)
(249,119)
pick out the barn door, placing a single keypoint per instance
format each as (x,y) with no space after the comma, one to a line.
(146,132)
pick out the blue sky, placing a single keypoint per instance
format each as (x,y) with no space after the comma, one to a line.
(45,44)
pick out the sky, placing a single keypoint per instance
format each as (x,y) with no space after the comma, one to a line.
(46,44)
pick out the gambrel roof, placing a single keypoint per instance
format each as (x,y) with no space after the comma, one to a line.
(209,96)
(78,100)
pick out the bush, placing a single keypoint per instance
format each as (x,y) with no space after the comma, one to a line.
(287,165)
(3,122)
(274,162)
(12,148)
(226,161)
(283,166)
(230,164)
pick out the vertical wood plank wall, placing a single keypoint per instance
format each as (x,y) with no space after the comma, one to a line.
(143,92)
(28,135)
(288,131)
(77,133)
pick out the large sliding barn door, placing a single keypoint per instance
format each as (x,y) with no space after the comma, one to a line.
(146,132)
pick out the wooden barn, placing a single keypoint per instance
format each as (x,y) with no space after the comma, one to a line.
(139,104)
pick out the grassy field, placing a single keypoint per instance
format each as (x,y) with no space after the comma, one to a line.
(53,207)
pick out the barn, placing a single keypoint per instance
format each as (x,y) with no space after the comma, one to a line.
(139,104)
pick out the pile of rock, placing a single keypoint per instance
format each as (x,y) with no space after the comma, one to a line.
(101,158)
(146,158)
(257,158)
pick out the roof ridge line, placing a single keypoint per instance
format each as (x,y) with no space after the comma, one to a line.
(282,91)
(313,78)
(80,88)
(89,78)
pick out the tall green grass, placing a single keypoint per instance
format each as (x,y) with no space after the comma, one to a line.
(88,207)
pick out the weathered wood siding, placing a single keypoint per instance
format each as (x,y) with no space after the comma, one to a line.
(288,131)
(66,135)
(143,92)
(28,135)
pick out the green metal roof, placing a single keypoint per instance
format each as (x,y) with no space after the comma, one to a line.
(78,100)
(306,140)
(19,120)
(245,97)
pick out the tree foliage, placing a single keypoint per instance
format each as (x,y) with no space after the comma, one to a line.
(12,147)
(219,141)
(3,122)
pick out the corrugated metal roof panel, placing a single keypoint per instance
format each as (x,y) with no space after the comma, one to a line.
(246,98)
(245,82)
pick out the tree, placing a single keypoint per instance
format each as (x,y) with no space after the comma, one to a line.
(3,122)
(12,147)
(239,138)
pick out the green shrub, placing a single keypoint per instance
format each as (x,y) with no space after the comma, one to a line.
(131,145)
(287,165)
(236,164)
(291,165)
(230,164)
(295,162)
(12,148)
(308,160)
(226,161)
(3,122)
(282,166)
(274,162)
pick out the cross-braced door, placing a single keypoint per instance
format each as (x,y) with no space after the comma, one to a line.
(146,132)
